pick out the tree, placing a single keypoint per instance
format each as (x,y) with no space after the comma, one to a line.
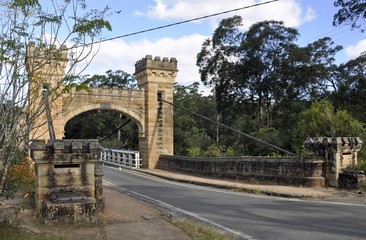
(322,120)
(351,94)
(192,134)
(262,80)
(111,78)
(351,12)
(48,24)
(317,71)
(254,72)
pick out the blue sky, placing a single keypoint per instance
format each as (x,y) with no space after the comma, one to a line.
(313,19)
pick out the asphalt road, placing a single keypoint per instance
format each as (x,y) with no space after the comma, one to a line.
(254,216)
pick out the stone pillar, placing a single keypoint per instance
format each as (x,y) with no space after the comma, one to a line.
(65,179)
(156,77)
(337,153)
(46,68)
(98,173)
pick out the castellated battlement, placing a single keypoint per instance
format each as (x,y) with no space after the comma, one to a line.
(41,148)
(47,62)
(47,52)
(102,91)
(319,146)
(157,64)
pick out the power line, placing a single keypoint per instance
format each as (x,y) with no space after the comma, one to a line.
(346,36)
(120,127)
(232,129)
(325,34)
(332,36)
(178,23)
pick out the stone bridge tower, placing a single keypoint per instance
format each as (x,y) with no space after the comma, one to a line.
(156,77)
(46,69)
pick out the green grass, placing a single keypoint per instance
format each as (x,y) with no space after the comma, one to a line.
(14,233)
(198,231)
(361,165)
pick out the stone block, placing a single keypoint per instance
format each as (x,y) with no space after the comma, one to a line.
(73,212)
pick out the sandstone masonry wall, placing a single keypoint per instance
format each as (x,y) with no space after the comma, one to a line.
(65,179)
(328,159)
(288,171)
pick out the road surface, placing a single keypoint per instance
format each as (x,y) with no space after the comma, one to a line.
(252,216)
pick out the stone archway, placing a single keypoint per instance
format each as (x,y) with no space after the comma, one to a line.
(155,78)
(120,110)
(78,106)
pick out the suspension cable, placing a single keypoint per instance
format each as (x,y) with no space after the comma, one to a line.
(123,124)
(232,129)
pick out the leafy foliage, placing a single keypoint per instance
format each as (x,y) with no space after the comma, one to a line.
(192,133)
(28,22)
(111,78)
(351,94)
(258,70)
(352,12)
(20,178)
(323,120)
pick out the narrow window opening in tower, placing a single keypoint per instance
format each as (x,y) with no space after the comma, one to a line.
(160,96)
(45,88)
(160,103)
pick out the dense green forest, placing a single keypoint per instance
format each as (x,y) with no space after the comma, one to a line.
(263,84)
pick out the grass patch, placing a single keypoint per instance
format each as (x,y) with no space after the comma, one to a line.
(14,233)
(361,165)
(198,231)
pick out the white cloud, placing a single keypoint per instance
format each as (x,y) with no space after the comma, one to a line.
(353,51)
(121,55)
(288,11)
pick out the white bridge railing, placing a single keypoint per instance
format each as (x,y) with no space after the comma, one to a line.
(121,158)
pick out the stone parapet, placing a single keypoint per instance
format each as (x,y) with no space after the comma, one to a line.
(66,168)
(337,153)
(352,179)
(45,52)
(288,171)
(46,62)
(149,63)
(72,150)
(320,146)
(106,90)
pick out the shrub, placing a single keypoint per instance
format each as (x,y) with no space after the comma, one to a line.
(20,177)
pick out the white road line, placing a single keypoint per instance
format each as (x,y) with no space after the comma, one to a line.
(194,215)
(235,193)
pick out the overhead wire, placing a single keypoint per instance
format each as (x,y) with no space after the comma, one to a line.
(326,34)
(232,129)
(119,128)
(176,23)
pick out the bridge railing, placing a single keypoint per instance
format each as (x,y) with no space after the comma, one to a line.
(121,158)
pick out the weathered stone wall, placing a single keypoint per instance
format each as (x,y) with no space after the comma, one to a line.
(157,77)
(337,153)
(46,68)
(289,171)
(328,159)
(352,179)
(129,102)
(65,179)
